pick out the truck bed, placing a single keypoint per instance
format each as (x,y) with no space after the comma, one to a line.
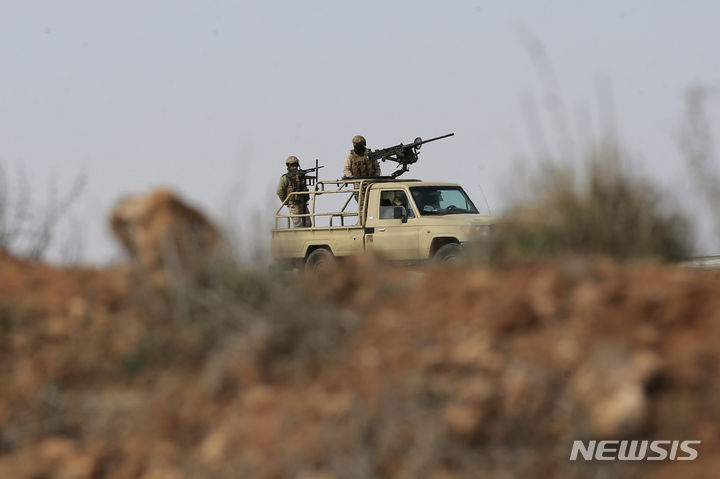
(294,243)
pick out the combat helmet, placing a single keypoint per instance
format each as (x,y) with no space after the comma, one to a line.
(292,160)
(358,140)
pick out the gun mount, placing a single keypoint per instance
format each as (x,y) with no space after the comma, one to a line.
(404,155)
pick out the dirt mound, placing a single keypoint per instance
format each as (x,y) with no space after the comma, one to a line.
(374,372)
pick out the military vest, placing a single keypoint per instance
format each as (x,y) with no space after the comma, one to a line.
(296,183)
(361,165)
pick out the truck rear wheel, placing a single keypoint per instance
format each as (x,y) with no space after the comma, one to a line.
(319,260)
(448,253)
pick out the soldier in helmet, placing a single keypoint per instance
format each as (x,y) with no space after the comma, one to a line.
(358,163)
(289,183)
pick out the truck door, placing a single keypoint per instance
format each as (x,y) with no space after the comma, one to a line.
(387,234)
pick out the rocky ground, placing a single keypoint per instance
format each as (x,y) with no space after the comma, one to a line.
(376,371)
(181,365)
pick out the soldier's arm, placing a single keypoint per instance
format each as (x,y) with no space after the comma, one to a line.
(282,188)
(376,164)
(346,169)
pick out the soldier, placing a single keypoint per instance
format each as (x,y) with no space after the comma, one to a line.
(291,182)
(358,163)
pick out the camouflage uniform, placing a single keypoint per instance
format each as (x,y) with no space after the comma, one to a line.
(299,209)
(360,165)
(297,205)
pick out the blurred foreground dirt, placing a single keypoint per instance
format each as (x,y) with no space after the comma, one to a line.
(443,374)
(169,368)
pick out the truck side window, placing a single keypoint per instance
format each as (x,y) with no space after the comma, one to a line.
(391,199)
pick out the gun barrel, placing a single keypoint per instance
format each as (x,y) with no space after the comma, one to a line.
(302,172)
(433,139)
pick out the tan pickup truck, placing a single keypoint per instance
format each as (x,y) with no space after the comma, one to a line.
(401,220)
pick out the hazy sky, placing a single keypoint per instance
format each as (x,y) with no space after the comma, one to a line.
(211,97)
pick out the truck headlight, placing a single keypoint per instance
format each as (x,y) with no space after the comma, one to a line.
(476,231)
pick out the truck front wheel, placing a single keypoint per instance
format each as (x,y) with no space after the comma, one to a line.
(319,260)
(448,253)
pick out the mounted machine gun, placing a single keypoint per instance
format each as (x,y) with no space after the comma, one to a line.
(404,155)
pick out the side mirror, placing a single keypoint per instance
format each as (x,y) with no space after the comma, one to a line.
(400,213)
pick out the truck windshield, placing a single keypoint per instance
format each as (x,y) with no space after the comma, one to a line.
(442,200)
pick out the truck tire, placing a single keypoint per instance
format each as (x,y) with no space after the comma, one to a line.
(448,253)
(319,260)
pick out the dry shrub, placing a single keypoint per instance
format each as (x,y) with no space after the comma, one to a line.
(278,326)
(697,144)
(198,293)
(603,207)
(29,229)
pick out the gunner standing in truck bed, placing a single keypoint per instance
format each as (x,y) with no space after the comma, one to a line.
(358,162)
